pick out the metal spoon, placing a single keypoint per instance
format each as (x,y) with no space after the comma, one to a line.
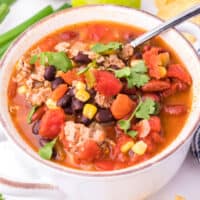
(166,25)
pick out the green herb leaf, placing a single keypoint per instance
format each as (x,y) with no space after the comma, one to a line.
(58,59)
(106,48)
(1,197)
(139,67)
(46,151)
(33,59)
(132,133)
(147,108)
(137,79)
(30,114)
(124,72)
(124,124)
(135,75)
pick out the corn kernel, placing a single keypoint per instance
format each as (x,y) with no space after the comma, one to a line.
(79,85)
(127,146)
(82,95)
(22,89)
(139,147)
(51,104)
(162,71)
(89,111)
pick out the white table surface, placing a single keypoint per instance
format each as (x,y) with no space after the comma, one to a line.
(187,180)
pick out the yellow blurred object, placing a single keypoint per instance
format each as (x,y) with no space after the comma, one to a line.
(179,198)
(162,71)
(51,104)
(190,37)
(22,89)
(126,147)
(139,147)
(82,95)
(170,8)
(89,111)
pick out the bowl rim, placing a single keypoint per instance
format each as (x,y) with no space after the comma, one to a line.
(90,174)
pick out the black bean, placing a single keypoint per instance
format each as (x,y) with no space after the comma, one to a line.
(70,92)
(82,58)
(104,115)
(35,128)
(82,119)
(50,73)
(57,81)
(64,101)
(92,92)
(76,105)
(43,141)
(68,110)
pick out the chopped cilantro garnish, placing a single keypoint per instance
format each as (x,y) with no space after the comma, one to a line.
(135,75)
(106,48)
(143,111)
(58,59)
(46,151)
(147,108)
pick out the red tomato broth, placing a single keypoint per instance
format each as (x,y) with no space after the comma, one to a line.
(103,32)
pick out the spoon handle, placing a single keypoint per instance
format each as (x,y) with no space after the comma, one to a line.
(166,25)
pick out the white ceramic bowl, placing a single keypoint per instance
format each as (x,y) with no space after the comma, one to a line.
(137,182)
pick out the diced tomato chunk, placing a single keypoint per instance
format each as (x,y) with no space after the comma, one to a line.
(89,152)
(177,71)
(51,123)
(155,123)
(71,76)
(48,43)
(106,83)
(152,61)
(104,165)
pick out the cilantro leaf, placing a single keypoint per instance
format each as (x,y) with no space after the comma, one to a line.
(46,151)
(106,48)
(58,59)
(30,114)
(139,67)
(124,124)
(147,108)
(124,72)
(132,133)
(137,79)
(135,75)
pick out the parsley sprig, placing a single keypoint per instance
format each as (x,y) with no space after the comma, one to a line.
(135,75)
(58,59)
(143,111)
(106,48)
